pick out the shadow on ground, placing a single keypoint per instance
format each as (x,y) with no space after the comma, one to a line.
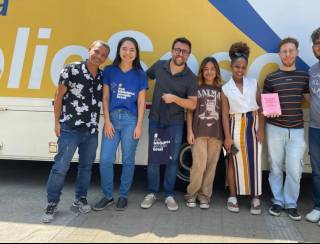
(22,189)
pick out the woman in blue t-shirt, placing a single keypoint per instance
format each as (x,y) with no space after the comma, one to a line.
(124,92)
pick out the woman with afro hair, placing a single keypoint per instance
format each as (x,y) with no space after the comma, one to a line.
(243,124)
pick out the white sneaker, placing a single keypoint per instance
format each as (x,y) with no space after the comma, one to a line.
(256,207)
(232,205)
(204,205)
(172,205)
(191,203)
(313,216)
(148,201)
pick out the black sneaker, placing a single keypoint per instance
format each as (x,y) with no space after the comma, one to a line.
(122,204)
(103,204)
(275,210)
(293,214)
(50,213)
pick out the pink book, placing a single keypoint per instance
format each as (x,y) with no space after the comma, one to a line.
(271,104)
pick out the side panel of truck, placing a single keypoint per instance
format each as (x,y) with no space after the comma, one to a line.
(40,37)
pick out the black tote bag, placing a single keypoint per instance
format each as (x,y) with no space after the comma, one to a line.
(161,141)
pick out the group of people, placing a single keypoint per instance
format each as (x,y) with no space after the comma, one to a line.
(218,115)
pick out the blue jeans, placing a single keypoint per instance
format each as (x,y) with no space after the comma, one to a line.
(285,146)
(124,124)
(171,167)
(314,141)
(69,142)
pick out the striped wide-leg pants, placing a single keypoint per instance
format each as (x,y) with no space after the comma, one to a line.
(247,162)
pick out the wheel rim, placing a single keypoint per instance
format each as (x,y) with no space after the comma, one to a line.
(185,163)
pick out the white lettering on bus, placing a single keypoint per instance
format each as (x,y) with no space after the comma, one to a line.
(57,63)
(18,57)
(39,60)
(1,63)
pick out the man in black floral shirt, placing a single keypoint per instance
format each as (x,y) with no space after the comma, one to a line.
(77,109)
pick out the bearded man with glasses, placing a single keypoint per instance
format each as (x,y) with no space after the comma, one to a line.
(175,91)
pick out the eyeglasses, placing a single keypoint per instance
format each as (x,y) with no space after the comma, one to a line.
(179,51)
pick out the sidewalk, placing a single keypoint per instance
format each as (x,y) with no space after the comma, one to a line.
(23,199)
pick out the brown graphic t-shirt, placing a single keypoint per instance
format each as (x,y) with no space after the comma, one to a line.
(207,119)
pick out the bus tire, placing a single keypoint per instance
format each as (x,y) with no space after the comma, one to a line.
(185,164)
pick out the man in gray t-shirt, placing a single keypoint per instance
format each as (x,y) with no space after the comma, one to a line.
(314,134)
(315,95)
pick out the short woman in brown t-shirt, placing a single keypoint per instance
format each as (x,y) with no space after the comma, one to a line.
(205,134)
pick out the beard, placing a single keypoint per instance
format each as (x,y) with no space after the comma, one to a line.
(289,64)
(179,64)
(316,54)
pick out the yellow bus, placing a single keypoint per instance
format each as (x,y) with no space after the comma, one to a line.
(39,37)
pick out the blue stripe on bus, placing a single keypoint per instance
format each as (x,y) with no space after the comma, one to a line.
(244,16)
(4,9)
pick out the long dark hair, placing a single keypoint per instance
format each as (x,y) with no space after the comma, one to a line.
(136,63)
(217,79)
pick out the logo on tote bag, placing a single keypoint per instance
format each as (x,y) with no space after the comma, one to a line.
(159,145)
